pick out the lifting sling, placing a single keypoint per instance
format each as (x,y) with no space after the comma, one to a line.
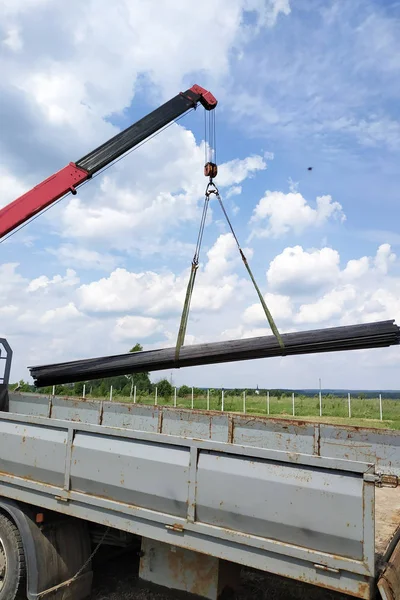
(211,170)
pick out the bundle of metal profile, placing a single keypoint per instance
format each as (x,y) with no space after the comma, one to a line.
(353,337)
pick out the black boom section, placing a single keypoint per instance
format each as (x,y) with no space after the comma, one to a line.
(5,368)
(138,132)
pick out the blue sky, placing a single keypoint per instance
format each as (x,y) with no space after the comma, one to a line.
(300,83)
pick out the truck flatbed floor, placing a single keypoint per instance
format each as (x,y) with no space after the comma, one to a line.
(387,518)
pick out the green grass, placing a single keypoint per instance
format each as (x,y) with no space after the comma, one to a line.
(364,412)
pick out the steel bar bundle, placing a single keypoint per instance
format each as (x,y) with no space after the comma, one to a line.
(353,337)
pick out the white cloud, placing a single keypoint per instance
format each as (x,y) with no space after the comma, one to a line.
(162,294)
(384,257)
(84,258)
(148,196)
(279,213)
(298,271)
(136,328)
(70,279)
(67,313)
(330,306)
(12,39)
(356,268)
(78,92)
(11,187)
(280,307)
(237,170)
(235,190)
(320,292)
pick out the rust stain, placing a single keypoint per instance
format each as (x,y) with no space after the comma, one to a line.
(230,429)
(101,413)
(192,571)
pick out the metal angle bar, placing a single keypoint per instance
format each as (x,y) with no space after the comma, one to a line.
(191,513)
(68,456)
(369,523)
(368,335)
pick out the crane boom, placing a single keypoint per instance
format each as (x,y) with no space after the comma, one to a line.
(75,173)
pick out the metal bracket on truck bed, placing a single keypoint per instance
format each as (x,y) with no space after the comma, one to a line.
(5,368)
(382,480)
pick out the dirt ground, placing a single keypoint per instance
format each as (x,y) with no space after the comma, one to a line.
(117,579)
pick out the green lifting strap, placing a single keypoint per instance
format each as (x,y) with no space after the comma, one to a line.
(189,291)
(246,264)
(185,313)
(212,189)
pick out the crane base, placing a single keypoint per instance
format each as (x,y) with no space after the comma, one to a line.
(187,571)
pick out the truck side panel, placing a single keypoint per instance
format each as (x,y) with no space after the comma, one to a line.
(270,509)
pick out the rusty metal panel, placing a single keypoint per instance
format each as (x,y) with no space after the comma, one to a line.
(30,404)
(139,417)
(79,411)
(145,474)
(186,570)
(277,434)
(274,510)
(344,581)
(389,581)
(33,452)
(378,446)
(314,508)
(200,425)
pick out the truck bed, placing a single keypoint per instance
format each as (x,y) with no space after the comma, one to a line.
(294,498)
(387,520)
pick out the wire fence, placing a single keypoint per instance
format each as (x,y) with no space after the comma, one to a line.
(295,405)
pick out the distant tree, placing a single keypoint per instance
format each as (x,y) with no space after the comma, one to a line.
(164,388)
(136,348)
(23,386)
(140,380)
(78,388)
(184,390)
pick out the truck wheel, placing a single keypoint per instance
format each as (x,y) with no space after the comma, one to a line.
(12,562)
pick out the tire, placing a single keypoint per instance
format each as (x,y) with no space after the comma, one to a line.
(12,562)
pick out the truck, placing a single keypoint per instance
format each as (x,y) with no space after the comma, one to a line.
(203,492)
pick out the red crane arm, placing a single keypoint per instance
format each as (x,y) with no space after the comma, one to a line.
(75,173)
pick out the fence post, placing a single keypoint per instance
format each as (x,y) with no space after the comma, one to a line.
(244,402)
(222,401)
(111,393)
(208,399)
(380,407)
(156,397)
(320,403)
(84,390)
(130,395)
(134,395)
(192,400)
(268,403)
(54,390)
(293,402)
(349,402)
(174,397)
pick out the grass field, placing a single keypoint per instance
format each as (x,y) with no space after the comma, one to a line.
(365,412)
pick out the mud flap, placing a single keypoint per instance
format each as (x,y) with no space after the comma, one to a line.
(55,551)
